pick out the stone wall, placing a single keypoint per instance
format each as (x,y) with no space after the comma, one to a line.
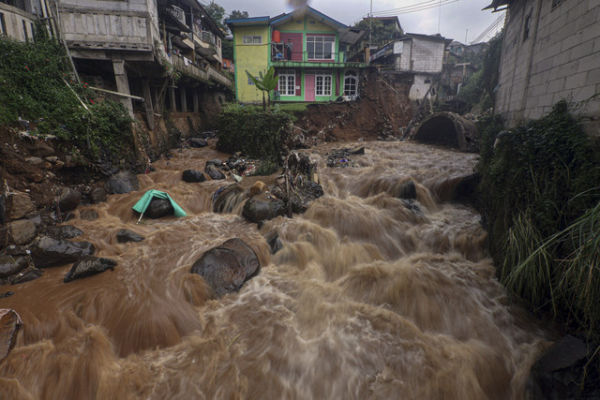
(549,54)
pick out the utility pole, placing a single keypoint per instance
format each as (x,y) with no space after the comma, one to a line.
(371,25)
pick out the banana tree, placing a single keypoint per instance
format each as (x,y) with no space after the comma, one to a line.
(265,83)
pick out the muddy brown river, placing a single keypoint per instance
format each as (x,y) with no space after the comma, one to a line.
(370,297)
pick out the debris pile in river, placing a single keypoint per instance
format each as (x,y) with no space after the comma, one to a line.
(340,158)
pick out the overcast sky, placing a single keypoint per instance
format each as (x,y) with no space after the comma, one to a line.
(456,17)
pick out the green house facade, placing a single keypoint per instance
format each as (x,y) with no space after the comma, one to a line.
(308,50)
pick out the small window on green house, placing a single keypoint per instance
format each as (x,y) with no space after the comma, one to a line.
(252,39)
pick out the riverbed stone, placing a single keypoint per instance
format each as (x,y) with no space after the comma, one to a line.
(260,208)
(89,266)
(22,231)
(226,267)
(125,235)
(192,175)
(11,265)
(28,274)
(49,252)
(20,206)
(63,232)
(122,182)
(69,199)
(214,172)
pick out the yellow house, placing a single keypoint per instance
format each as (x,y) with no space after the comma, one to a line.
(308,50)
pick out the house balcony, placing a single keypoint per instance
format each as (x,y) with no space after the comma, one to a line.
(282,58)
(206,74)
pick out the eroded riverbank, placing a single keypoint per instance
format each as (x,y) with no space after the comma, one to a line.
(372,296)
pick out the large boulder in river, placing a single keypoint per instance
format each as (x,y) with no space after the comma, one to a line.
(69,199)
(22,231)
(260,208)
(226,267)
(89,266)
(197,142)
(19,205)
(192,175)
(48,252)
(159,208)
(123,182)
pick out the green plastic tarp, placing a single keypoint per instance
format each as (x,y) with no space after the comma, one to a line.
(144,202)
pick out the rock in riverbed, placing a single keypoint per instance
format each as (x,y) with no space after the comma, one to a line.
(226,267)
(192,175)
(10,323)
(125,235)
(49,252)
(89,266)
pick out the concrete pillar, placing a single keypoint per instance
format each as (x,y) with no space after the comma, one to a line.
(196,101)
(183,94)
(172,101)
(123,84)
(148,104)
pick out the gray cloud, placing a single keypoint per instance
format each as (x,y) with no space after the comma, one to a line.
(456,18)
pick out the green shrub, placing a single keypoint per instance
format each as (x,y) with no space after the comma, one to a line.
(256,133)
(35,79)
(537,182)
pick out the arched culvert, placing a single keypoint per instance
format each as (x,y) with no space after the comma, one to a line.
(449,130)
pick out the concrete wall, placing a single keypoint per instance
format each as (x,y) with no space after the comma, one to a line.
(427,55)
(559,59)
(420,86)
(17,23)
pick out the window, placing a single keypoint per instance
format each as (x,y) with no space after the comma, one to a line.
(323,85)
(287,84)
(252,39)
(2,25)
(25,35)
(350,83)
(320,47)
(32,31)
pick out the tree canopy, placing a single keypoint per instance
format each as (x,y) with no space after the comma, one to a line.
(217,13)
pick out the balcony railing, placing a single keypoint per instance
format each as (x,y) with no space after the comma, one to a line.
(280,53)
(206,74)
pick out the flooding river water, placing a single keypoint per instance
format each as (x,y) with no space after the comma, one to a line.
(370,297)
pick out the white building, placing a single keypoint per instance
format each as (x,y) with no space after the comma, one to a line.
(419,55)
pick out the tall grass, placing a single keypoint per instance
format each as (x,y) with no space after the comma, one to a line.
(540,200)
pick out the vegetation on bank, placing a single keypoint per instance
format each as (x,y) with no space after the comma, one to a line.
(37,86)
(479,89)
(540,194)
(255,132)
